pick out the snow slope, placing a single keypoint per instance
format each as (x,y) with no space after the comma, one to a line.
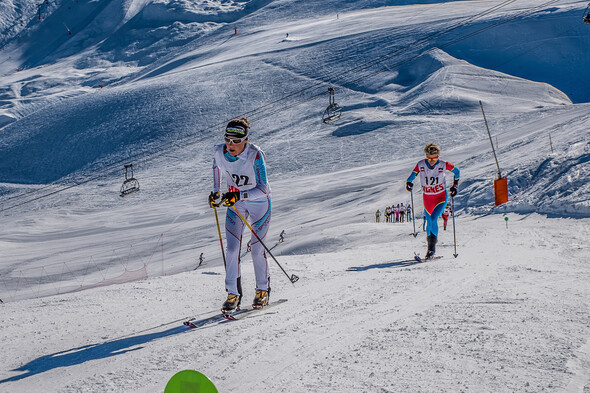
(510,313)
(358,320)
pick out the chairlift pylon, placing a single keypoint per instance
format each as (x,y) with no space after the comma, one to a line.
(586,17)
(130,184)
(333,111)
(43,3)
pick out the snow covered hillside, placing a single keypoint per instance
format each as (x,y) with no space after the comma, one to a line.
(87,86)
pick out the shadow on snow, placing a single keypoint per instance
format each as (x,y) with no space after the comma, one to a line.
(404,263)
(103,350)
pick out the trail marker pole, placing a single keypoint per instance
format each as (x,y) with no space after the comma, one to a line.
(491,142)
(501,183)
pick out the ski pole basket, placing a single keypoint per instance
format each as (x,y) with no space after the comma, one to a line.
(130,185)
(333,111)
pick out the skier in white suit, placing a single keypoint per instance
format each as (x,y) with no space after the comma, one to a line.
(242,165)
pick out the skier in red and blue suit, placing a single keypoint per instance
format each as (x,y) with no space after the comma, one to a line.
(434,190)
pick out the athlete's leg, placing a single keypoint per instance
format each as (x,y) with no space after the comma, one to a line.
(432,222)
(260,212)
(431,226)
(234,227)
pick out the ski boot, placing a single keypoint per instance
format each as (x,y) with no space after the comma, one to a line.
(261,299)
(231,304)
(431,246)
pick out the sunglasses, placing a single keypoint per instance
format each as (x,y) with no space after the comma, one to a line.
(432,159)
(235,141)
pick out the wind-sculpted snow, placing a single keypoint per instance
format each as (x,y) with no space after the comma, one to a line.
(558,186)
(437,83)
(549,48)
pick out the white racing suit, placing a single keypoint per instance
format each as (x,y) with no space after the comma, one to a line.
(245,173)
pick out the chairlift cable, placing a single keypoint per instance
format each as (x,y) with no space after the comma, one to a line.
(459,39)
(334,78)
(384,57)
(109,169)
(423,40)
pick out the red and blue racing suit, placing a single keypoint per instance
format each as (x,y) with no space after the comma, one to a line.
(434,190)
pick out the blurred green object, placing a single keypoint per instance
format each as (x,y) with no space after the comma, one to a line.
(190,381)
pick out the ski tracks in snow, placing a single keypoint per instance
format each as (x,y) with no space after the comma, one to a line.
(344,324)
(491,319)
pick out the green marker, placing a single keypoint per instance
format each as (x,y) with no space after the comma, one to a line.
(190,381)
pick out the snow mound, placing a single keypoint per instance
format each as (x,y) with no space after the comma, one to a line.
(558,185)
(548,46)
(438,83)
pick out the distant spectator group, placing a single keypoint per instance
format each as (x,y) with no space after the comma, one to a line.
(401,213)
(395,213)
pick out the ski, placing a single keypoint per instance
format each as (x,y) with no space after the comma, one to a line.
(418,259)
(243,312)
(193,323)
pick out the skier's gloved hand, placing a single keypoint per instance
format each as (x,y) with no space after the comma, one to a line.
(453,188)
(214,199)
(230,198)
(409,186)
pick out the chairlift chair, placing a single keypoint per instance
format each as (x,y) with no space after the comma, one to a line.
(333,111)
(130,184)
(586,17)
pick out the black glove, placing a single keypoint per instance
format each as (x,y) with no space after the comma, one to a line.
(409,186)
(214,199)
(453,188)
(230,198)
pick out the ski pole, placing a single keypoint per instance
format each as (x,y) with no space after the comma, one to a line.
(413,216)
(220,240)
(293,277)
(454,236)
